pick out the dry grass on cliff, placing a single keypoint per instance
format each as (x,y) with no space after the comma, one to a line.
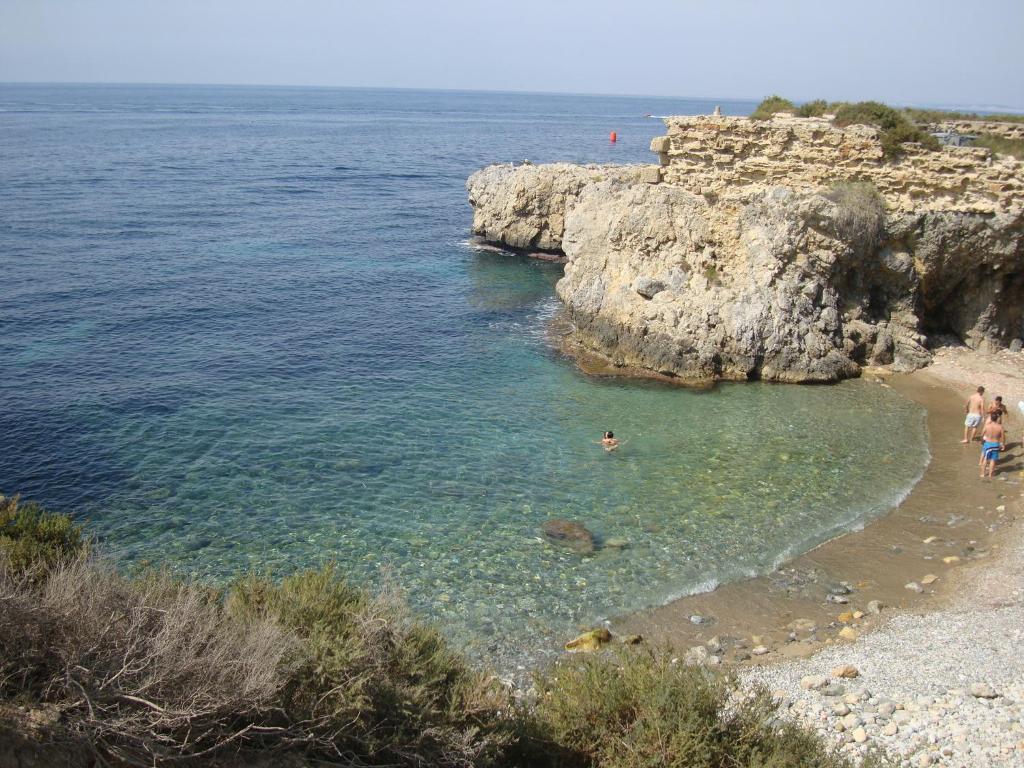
(860,214)
(1001,145)
(142,669)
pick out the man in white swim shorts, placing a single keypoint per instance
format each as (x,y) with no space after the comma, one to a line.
(975,410)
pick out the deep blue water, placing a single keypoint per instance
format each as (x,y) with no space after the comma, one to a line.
(243,328)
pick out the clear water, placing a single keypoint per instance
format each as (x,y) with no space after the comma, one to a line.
(242,328)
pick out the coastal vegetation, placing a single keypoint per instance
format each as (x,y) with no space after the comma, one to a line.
(150,669)
(1000,145)
(860,213)
(895,126)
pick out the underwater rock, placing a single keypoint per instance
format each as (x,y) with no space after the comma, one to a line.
(570,533)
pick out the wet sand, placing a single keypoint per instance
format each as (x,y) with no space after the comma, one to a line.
(950,513)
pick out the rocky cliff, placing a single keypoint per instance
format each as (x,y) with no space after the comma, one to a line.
(787,250)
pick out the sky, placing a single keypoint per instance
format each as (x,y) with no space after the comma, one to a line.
(907,52)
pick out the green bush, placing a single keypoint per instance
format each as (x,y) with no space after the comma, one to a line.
(1000,145)
(894,128)
(641,710)
(815,108)
(374,682)
(770,106)
(32,539)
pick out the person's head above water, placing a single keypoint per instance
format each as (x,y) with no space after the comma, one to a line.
(609,435)
(981,390)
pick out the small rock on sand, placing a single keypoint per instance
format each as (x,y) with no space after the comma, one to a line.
(913,586)
(846,670)
(813,682)
(983,691)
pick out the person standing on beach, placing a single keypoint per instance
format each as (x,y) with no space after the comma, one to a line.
(998,409)
(975,410)
(991,441)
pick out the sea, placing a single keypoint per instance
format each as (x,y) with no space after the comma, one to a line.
(246,329)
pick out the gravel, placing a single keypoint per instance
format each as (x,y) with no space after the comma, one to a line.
(943,689)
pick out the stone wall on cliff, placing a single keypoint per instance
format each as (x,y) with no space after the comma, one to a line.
(735,261)
(735,156)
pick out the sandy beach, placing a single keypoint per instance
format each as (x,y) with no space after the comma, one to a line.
(925,602)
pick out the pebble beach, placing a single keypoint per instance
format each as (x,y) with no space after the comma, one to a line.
(943,687)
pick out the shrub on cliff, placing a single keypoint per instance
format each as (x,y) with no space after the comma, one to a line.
(640,709)
(142,670)
(860,214)
(894,128)
(1000,145)
(770,106)
(31,538)
(374,682)
(815,108)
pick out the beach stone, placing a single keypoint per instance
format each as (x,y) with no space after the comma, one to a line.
(617,543)
(846,670)
(858,614)
(840,589)
(860,735)
(696,656)
(589,641)
(931,539)
(848,633)
(802,625)
(890,729)
(698,619)
(840,709)
(832,689)
(913,586)
(983,691)
(924,759)
(759,650)
(851,721)
(569,533)
(845,617)
(813,682)
(838,599)
(951,559)
(931,578)
(1016,345)
(875,607)
(714,644)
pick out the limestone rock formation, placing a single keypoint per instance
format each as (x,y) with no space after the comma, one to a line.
(748,256)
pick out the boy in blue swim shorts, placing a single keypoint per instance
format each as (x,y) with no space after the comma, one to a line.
(991,442)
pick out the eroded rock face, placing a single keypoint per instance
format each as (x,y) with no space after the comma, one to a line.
(523,207)
(757,280)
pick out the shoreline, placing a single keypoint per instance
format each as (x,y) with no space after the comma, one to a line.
(902,637)
(843,575)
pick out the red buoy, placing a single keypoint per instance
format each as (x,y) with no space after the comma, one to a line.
(613,137)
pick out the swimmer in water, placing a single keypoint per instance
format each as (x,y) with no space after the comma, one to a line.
(609,441)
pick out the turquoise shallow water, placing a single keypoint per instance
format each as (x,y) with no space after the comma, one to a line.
(243,329)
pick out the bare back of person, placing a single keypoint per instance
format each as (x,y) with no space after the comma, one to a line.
(992,437)
(975,410)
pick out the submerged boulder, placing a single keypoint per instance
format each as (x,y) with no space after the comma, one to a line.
(569,533)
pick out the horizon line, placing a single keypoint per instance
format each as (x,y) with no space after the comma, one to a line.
(525,92)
